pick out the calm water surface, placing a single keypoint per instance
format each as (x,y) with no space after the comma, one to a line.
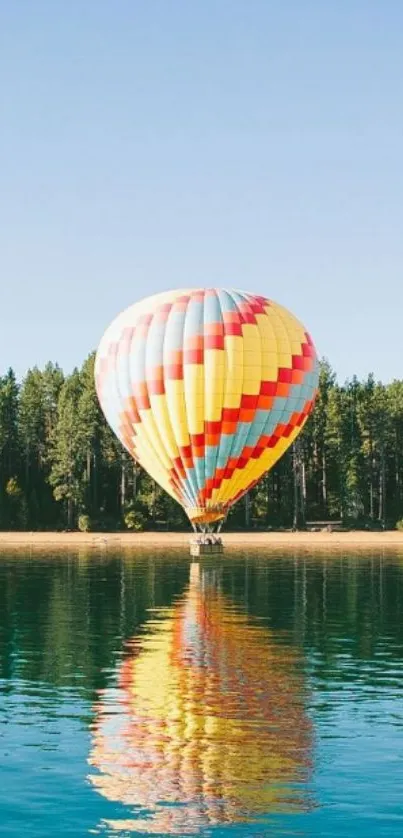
(246,696)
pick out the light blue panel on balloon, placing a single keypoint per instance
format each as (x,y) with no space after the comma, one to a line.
(212,309)
(227,301)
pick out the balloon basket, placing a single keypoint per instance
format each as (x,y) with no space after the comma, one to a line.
(206,545)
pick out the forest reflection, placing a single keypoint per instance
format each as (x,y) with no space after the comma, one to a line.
(65,619)
(192,691)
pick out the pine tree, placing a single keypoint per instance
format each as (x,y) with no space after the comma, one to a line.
(10,461)
(68,450)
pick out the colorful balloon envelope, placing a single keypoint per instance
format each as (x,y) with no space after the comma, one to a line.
(206,389)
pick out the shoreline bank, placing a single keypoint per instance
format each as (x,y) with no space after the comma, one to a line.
(265,540)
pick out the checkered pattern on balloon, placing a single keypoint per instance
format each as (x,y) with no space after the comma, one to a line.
(206,389)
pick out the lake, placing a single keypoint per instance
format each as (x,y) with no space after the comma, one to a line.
(254,694)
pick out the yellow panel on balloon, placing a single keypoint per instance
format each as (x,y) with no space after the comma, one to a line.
(175,393)
(150,428)
(214,366)
(194,397)
(146,455)
(160,412)
(251,360)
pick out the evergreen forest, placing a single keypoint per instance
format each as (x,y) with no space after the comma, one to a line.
(61,467)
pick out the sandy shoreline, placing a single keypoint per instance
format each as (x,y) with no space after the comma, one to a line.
(266,540)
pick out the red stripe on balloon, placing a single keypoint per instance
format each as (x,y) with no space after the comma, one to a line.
(281,431)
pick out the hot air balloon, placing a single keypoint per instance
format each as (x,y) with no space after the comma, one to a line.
(206,389)
(207,723)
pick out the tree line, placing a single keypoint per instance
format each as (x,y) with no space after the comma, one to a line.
(61,466)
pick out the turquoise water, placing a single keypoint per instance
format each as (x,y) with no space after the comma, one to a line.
(252,695)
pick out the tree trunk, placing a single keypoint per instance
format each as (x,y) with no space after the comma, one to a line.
(27,458)
(324,483)
(303,490)
(123,485)
(135,476)
(269,480)
(371,479)
(94,482)
(382,488)
(295,483)
(247,511)
(342,485)
(278,495)
(70,513)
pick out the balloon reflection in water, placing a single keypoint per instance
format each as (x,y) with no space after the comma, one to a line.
(209,714)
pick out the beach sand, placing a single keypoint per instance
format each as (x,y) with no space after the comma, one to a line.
(265,540)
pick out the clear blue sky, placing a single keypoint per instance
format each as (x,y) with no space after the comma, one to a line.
(150,144)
